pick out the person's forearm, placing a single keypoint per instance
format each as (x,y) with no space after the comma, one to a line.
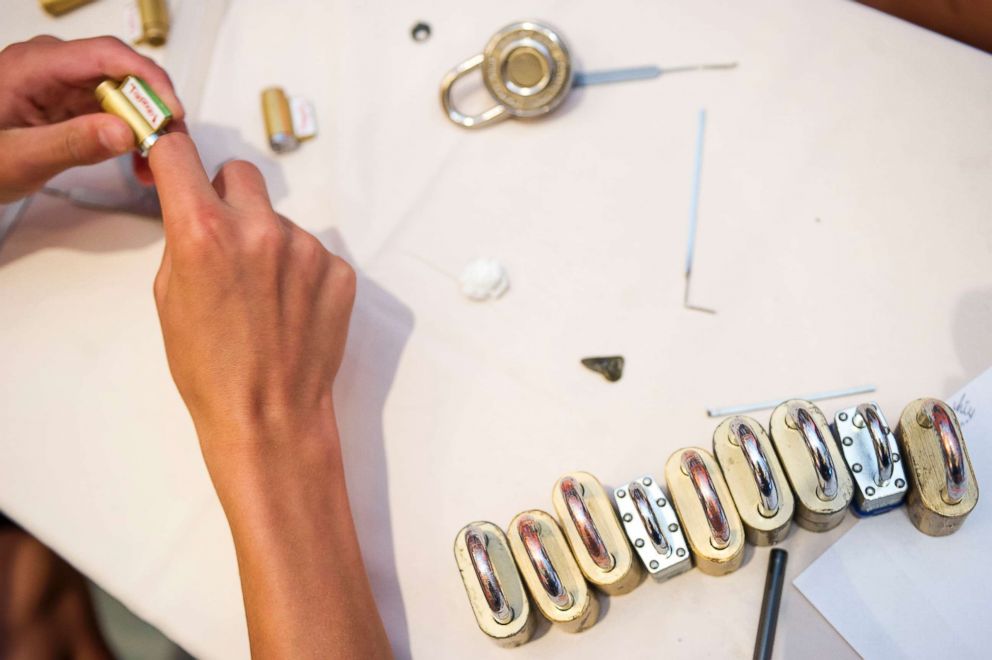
(305,589)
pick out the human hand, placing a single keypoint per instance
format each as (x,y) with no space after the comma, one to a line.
(50,119)
(254,310)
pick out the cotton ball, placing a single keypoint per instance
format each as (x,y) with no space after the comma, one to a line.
(484,279)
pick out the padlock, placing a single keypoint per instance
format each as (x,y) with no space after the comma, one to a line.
(598,543)
(872,455)
(653,528)
(526,68)
(943,489)
(755,479)
(550,572)
(493,584)
(706,509)
(813,464)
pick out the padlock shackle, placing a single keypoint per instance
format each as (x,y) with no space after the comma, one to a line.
(950,445)
(477,543)
(760,469)
(494,114)
(823,464)
(642,504)
(702,483)
(880,442)
(571,491)
(529,530)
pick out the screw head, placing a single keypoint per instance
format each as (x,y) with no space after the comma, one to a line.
(869,491)
(673,527)
(856,467)
(900,483)
(639,543)
(661,501)
(621,493)
(647,481)
(653,565)
(895,457)
(680,552)
(627,517)
(848,442)
(842,416)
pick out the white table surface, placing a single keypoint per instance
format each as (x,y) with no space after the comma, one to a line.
(844,239)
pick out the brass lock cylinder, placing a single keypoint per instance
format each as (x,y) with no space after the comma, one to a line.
(653,528)
(813,464)
(154,21)
(594,533)
(943,489)
(755,478)
(59,7)
(871,453)
(706,508)
(135,102)
(493,584)
(550,571)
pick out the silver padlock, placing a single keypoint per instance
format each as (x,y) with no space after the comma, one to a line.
(493,584)
(813,463)
(653,528)
(526,68)
(872,455)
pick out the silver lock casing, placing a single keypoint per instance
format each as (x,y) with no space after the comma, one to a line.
(872,455)
(650,523)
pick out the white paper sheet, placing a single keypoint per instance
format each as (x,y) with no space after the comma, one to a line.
(894,592)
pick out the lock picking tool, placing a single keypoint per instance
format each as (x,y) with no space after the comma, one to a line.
(550,571)
(943,487)
(594,534)
(706,508)
(493,584)
(755,478)
(872,455)
(653,528)
(527,69)
(813,464)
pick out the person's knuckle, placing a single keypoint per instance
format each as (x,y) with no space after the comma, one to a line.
(267,238)
(344,278)
(241,170)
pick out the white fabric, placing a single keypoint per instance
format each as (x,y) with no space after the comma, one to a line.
(844,237)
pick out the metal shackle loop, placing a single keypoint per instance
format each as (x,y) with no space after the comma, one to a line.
(591,538)
(950,445)
(496,113)
(823,464)
(716,518)
(643,506)
(760,470)
(530,533)
(477,543)
(879,440)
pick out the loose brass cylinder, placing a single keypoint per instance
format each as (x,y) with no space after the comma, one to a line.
(943,489)
(278,120)
(755,478)
(493,584)
(59,7)
(550,571)
(706,508)
(154,21)
(812,463)
(594,533)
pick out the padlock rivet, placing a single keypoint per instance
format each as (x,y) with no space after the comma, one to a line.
(646,481)
(895,457)
(673,527)
(661,501)
(680,552)
(653,565)
(848,442)
(856,467)
(900,483)
(621,493)
(639,543)
(627,517)
(842,417)
(869,491)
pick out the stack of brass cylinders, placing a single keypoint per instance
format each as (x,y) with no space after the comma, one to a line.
(750,488)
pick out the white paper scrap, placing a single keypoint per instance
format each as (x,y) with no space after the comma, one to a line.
(893,592)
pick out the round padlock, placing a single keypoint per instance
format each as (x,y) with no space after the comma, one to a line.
(525,66)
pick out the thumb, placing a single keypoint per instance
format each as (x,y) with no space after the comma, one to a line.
(39,153)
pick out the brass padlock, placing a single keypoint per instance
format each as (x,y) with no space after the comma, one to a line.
(550,572)
(525,67)
(755,478)
(653,528)
(594,533)
(706,509)
(872,455)
(813,464)
(943,487)
(493,584)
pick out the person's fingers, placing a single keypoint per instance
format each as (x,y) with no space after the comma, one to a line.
(182,183)
(87,60)
(241,184)
(34,155)
(142,171)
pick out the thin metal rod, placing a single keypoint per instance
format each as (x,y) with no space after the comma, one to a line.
(771,403)
(694,214)
(770,602)
(583,78)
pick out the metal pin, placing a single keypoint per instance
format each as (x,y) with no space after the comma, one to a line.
(762,405)
(693,216)
(583,78)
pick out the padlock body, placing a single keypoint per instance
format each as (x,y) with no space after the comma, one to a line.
(872,495)
(661,560)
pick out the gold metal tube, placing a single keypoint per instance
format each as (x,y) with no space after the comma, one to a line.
(154,21)
(114,98)
(59,7)
(278,120)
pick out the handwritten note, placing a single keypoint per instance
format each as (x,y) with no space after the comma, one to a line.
(893,592)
